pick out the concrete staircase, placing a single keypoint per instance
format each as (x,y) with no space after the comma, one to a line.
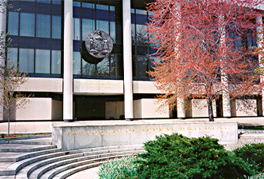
(37,158)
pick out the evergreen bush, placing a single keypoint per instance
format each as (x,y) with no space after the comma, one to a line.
(253,154)
(176,156)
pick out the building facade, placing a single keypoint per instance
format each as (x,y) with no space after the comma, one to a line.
(47,40)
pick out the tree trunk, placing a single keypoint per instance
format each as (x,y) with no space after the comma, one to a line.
(8,122)
(210,109)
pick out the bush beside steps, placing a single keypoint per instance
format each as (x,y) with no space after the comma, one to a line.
(176,156)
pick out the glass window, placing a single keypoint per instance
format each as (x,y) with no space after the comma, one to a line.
(27,24)
(102,25)
(56,62)
(88,5)
(56,27)
(12,55)
(112,8)
(42,61)
(103,67)
(113,31)
(140,11)
(44,1)
(13,23)
(87,27)
(76,4)
(76,29)
(43,25)
(56,1)
(101,6)
(141,66)
(133,34)
(141,34)
(76,63)
(26,60)
(88,69)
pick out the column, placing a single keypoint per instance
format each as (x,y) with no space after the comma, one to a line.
(181,108)
(68,62)
(224,77)
(259,40)
(127,52)
(2,41)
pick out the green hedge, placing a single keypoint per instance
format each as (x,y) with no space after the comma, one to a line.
(176,156)
(252,154)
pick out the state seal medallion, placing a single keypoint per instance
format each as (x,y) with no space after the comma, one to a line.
(99,44)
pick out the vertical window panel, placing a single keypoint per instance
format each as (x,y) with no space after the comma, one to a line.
(13,23)
(103,67)
(56,27)
(43,26)
(88,69)
(76,29)
(102,25)
(12,56)
(76,63)
(26,60)
(87,27)
(27,24)
(113,31)
(42,61)
(56,62)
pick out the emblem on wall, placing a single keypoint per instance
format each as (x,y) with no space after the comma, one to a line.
(99,44)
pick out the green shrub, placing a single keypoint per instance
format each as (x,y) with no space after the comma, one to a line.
(176,156)
(253,154)
(118,168)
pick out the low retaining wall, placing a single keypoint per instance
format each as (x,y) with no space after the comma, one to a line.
(69,136)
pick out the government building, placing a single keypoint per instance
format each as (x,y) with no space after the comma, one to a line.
(49,40)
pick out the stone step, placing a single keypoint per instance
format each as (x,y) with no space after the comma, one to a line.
(37,162)
(17,166)
(7,140)
(83,166)
(18,156)
(251,138)
(24,148)
(33,141)
(52,170)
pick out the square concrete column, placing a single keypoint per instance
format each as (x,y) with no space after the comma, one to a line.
(181,108)
(224,77)
(259,41)
(68,62)
(2,50)
(127,52)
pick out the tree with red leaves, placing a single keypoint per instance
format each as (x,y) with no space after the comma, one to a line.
(203,49)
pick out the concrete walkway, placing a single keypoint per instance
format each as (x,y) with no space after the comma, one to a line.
(90,173)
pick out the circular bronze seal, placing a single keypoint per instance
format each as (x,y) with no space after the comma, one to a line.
(99,44)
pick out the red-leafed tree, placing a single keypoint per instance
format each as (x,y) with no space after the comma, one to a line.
(203,48)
